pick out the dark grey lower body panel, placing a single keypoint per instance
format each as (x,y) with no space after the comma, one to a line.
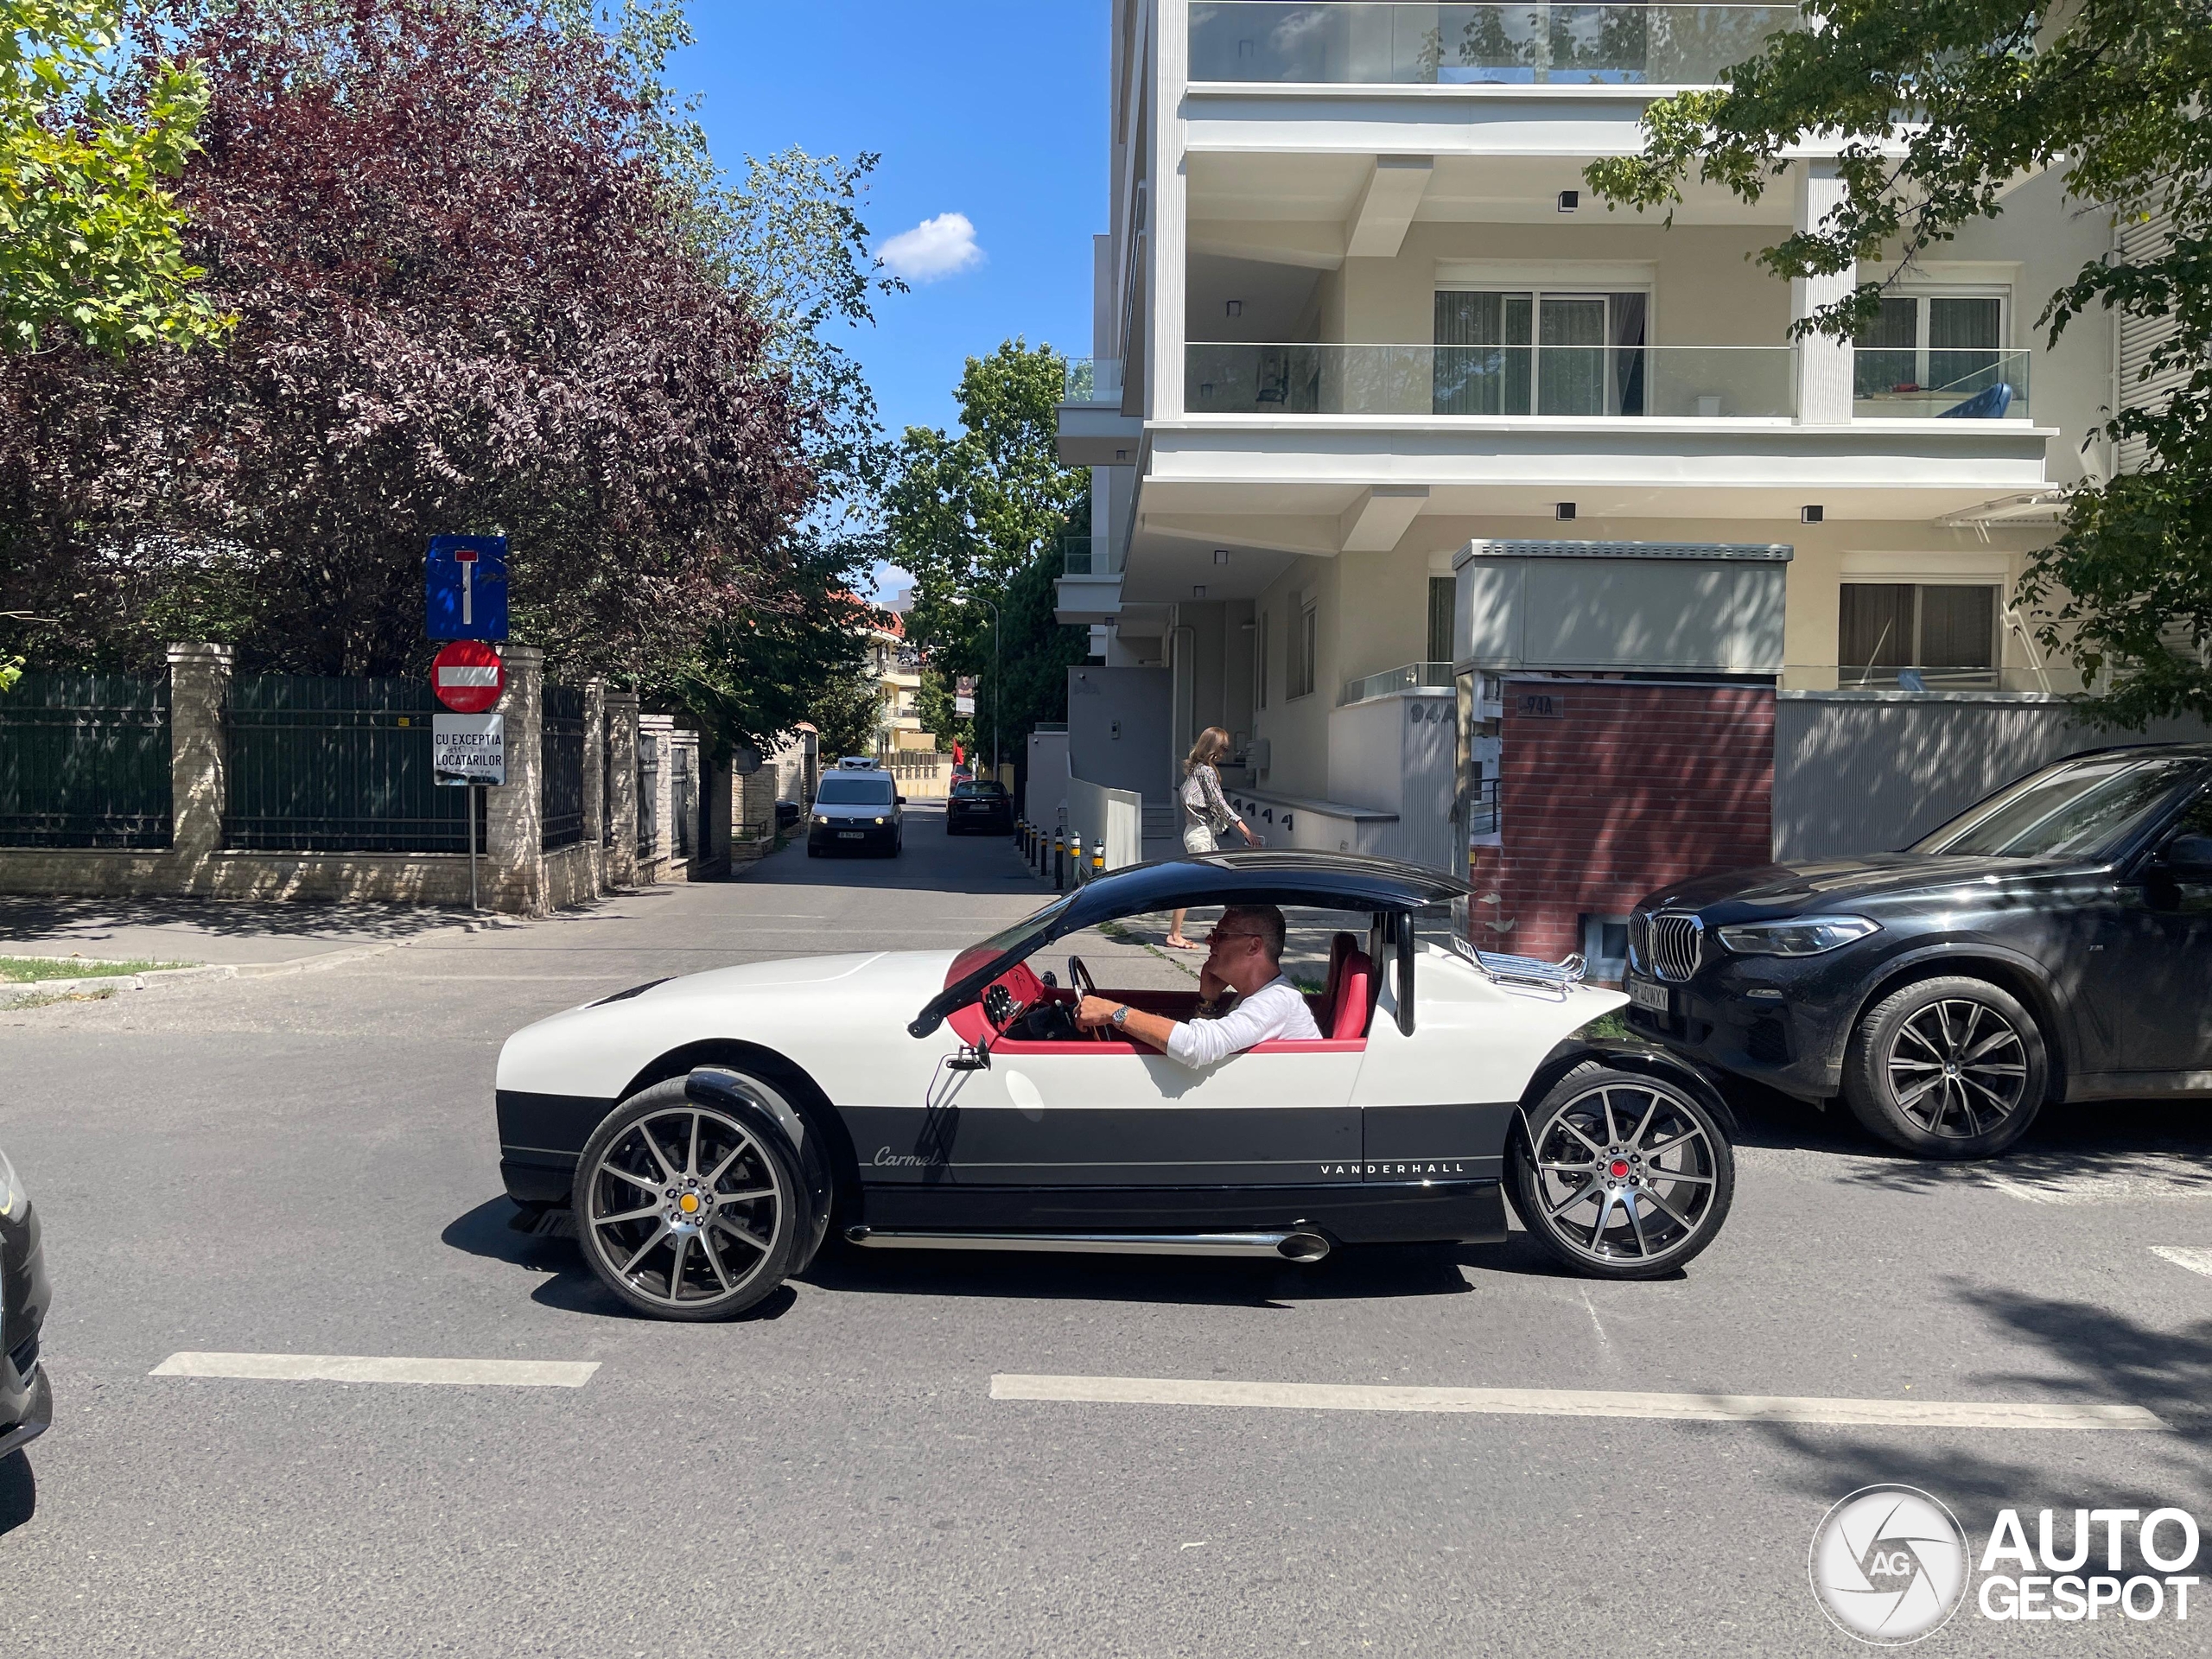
(38,1417)
(541,1137)
(2139,1086)
(1370,1212)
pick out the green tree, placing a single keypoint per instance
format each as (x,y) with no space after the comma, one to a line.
(848,713)
(1943,108)
(92,242)
(983,516)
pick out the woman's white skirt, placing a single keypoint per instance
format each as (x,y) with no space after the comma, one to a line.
(1197,838)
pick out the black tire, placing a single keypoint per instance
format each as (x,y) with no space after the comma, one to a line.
(634,1250)
(1646,1152)
(1953,1068)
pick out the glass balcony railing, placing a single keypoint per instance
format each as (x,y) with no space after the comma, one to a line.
(1414,676)
(1903,384)
(1093,380)
(1370,42)
(1670,382)
(1080,556)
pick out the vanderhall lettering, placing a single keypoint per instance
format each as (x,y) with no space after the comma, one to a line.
(1431,1167)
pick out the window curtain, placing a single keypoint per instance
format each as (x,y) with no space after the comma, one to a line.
(1963,342)
(1628,342)
(1887,349)
(1482,353)
(1571,367)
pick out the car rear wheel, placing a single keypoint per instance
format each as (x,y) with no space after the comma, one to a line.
(684,1211)
(1621,1175)
(1947,1068)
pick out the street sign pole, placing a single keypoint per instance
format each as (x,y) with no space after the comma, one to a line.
(475,793)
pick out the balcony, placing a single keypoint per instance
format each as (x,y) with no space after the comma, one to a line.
(1959,384)
(1414,676)
(1367,42)
(1080,556)
(1093,380)
(1089,590)
(1668,382)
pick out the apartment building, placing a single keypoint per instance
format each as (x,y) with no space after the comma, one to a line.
(1358,317)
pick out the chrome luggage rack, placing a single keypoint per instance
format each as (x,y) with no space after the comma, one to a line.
(1554,979)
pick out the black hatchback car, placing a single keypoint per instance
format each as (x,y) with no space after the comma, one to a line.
(26,1397)
(2052,942)
(982,803)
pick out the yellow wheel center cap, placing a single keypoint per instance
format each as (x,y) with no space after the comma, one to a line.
(689,1204)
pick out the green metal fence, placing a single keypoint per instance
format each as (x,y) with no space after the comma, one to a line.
(85,761)
(561,744)
(321,765)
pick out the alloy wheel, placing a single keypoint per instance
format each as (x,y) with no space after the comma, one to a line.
(1625,1173)
(684,1207)
(1957,1068)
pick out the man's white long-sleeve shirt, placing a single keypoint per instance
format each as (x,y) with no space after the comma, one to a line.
(1275,1011)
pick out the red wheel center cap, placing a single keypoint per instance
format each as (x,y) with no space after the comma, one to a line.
(1619,1169)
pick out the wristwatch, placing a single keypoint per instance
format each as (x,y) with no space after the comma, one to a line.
(1122,1015)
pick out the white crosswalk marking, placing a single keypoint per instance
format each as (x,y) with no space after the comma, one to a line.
(1576,1402)
(354,1368)
(2195,1258)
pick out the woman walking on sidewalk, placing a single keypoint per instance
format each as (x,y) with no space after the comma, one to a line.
(1207,815)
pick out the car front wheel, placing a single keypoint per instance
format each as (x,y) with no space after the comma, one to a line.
(1621,1175)
(1947,1068)
(684,1212)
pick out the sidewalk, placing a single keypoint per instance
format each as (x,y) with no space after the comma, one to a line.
(217,938)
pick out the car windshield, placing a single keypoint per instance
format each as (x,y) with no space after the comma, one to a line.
(2066,812)
(854,789)
(990,790)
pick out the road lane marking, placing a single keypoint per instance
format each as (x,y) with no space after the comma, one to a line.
(354,1368)
(1574,1402)
(2182,1255)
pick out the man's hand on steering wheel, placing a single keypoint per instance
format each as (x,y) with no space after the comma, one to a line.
(1095,1014)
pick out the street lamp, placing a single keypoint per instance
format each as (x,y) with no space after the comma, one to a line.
(997,658)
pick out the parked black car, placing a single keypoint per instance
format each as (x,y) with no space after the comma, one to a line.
(981,803)
(26,1397)
(2052,942)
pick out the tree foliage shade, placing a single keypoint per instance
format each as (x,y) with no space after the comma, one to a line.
(91,243)
(1934,113)
(983,516)
(467,300)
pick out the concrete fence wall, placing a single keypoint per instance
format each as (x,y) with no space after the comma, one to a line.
(514,873)
(1868,772)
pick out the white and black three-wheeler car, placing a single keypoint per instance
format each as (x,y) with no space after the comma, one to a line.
(708,1130)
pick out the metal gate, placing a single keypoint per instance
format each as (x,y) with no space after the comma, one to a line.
(648,794)
(84,762)
(561,747)
(326,765)
(683,799)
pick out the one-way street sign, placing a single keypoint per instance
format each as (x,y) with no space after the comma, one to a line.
(465,588)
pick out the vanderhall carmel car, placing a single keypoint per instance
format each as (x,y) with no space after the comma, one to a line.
(2052,942)
(707,1130)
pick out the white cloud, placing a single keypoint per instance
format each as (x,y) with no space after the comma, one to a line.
(939,247)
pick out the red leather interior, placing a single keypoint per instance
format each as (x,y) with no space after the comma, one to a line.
(1348,1018)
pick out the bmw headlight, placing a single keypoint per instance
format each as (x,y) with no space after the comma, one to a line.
(13,1199)
(1802,936)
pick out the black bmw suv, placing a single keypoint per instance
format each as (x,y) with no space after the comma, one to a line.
(26,1398)
(2052,942)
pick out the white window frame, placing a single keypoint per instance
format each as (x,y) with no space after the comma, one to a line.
(1305,618)
(1579,286)
(1857,579)
(1260,662)
(1921,293)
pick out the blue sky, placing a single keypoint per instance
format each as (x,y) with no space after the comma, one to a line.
(992,110)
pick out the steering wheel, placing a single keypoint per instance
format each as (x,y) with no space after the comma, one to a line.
(1085,986)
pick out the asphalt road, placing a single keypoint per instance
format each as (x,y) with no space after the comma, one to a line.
(306,1164)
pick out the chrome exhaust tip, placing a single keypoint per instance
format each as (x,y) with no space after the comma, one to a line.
(1302,1247)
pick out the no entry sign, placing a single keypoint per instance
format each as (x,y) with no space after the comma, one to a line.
(468,677)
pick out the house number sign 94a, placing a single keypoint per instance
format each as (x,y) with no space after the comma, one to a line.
(1540,705)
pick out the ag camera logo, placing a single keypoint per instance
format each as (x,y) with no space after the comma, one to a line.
(1889,1565)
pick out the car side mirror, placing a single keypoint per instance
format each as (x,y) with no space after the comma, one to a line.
(897,800)
(2189,858)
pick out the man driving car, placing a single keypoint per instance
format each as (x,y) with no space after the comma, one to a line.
(1244,998)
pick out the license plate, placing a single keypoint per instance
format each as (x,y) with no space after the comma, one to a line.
(852,834)
(1653,997)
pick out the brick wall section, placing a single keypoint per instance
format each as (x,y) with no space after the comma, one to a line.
(1635,786)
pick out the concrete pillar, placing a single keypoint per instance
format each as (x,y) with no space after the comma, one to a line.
(660,731)
(621,827)
(199,686)
(1824,363)
(595,780)
(512,875)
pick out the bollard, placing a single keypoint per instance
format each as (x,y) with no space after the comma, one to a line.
(1059,865)
(1098,859)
